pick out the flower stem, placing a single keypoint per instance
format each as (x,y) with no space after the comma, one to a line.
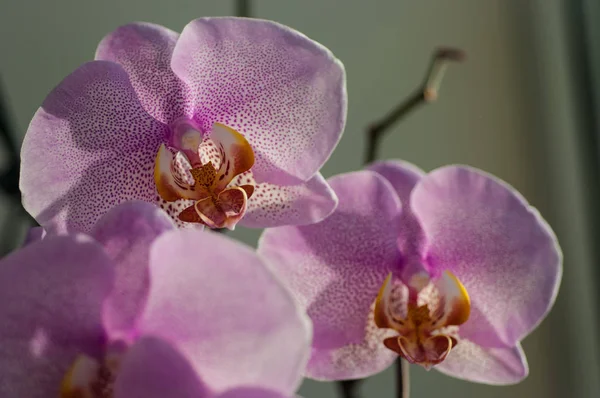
(427,92)
(402,379)
(349,388)
(242,8)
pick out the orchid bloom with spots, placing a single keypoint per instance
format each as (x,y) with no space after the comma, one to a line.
(229,121)
(450,269)
(131,312)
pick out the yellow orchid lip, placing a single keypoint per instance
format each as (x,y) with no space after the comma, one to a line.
(425,334)
(216,203)
(89,378)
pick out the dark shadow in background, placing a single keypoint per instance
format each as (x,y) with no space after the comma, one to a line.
(16,216)
(243,8)
(585,105)
(533,85)
(9,179)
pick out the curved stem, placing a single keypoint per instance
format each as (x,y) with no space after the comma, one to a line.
(427,92)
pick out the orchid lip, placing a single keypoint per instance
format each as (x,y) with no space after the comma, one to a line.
(202,171)
(428,328)
(90,377)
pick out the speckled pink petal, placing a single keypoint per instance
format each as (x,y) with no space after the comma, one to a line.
(335,269)
(88,148)
(354,360)
(404,176)
(127,232)
(499,366)
(300,203)
(284,92)
(51,295)
(223,309)
(144,50)
(153,368)
(505,254)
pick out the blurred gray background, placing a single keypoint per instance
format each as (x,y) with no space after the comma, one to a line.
(524,107)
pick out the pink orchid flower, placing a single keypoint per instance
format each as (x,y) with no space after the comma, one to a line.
(130,311)
(229,121)
(450,270)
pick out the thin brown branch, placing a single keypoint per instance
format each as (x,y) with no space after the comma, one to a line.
(427,92)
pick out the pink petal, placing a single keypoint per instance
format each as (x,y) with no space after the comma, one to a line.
(127,232)
(335,269)
(505,254)
(300,203)
(88,148)
(216,301)
(153,368)
(354,360)
(404,176)
(144,51)
(497,366)
(51,295)
(284,92)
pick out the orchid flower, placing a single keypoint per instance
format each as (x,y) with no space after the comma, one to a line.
(132,311)
(450,269)
(228,122)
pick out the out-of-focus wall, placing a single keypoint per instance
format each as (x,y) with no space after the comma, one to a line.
(506,110)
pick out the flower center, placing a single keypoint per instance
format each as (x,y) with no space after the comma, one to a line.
(427,322)
(201,171)
(90,378)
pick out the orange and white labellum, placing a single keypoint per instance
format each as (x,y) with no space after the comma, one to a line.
(427,329)
(90,378)
(184,176)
